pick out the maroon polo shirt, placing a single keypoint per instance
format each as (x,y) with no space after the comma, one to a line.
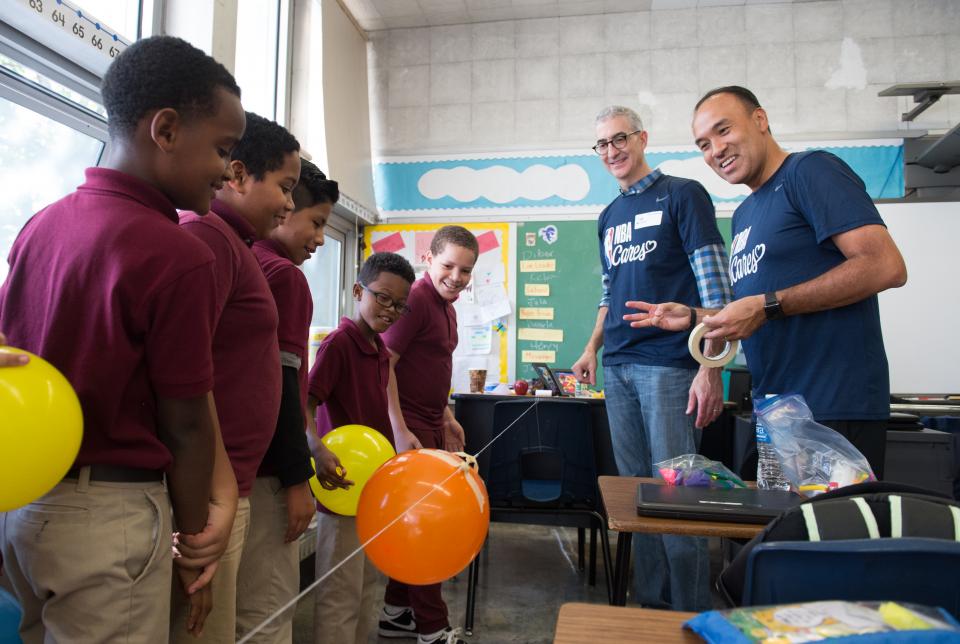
(294,301)
(105,286)
(349,378)
(424,339)
(246,356)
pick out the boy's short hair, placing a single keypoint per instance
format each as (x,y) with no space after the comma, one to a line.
(161,72)
(385,263)
(264,146)
(456,235)
(314,187)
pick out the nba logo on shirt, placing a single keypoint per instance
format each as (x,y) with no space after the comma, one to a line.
(608,246)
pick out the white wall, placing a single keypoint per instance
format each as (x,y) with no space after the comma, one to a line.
(345,104)
(329,112)
(920,319)
(531,84)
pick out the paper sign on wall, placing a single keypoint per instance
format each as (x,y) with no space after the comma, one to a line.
(389,244)
(545,335)
(487,241)
(539,356)
(538,266)
(534,313)
(536,290)
(478,339)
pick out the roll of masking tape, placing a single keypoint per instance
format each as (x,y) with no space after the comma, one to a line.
(723,358)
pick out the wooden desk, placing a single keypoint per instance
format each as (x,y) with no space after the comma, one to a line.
(579,623)
(619,494)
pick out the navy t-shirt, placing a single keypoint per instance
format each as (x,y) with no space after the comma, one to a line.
(646,238)
(782,237)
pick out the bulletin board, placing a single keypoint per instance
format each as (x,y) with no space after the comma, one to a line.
(558,289)
(484,308)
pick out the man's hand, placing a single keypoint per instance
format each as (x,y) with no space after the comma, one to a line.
(300,510)
(706,396)
(201,600)
(453,436)
(330,472)
(669,316)
(737,320)
(201,549)
(585,368)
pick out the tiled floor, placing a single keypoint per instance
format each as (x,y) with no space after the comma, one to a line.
(528,573)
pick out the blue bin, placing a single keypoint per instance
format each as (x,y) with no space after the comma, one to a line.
(9,619)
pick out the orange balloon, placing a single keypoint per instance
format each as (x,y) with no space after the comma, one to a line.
(436,538)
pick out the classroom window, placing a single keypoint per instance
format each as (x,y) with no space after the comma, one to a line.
(255,68)
(46,142)
(122,15)
(325,275)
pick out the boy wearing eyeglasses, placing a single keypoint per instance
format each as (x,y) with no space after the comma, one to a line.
(349,383)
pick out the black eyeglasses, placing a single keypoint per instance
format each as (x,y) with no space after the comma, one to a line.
(385,300)
(618,141)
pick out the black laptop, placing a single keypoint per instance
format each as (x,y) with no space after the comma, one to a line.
(738,505)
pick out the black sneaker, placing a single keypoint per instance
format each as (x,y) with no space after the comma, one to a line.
(447,636)
(396,626)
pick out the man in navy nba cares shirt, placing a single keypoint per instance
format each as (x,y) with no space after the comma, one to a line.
(658,238)
(809,255)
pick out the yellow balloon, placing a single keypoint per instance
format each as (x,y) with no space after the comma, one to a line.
(361,450)
(41,426)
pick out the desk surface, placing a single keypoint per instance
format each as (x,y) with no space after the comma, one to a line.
(619,495)
(578,623)
(499,397)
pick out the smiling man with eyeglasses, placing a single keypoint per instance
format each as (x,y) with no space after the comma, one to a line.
(658,236)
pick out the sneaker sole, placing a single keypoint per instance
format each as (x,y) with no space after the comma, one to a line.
(390,634)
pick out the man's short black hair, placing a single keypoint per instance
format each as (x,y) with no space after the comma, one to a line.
(264,146)
(161,72)
(314,187)
(385,263)
(745,96)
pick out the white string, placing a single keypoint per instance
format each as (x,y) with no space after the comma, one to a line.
(306,591)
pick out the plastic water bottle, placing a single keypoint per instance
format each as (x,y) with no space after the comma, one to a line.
(769,474)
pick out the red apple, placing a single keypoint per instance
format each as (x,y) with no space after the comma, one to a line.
(521,387)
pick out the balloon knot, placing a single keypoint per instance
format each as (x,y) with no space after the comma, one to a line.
(469,461)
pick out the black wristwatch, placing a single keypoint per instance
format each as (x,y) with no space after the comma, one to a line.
(771,306)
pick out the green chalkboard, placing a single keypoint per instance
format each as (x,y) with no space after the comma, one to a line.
(574,288)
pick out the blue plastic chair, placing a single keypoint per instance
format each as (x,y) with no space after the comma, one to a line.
(921,571)
(9,619)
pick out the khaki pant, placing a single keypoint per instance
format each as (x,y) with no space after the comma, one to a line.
(344,608)
(90,562)
(269,569)
(221,623)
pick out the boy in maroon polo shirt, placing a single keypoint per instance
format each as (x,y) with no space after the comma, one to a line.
(265,167)
(270,565)
(105,286)
(421,345)
(350,378)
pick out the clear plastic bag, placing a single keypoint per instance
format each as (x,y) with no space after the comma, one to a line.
(694,470)
(812,457)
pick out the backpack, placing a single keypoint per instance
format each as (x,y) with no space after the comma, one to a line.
(872,510)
